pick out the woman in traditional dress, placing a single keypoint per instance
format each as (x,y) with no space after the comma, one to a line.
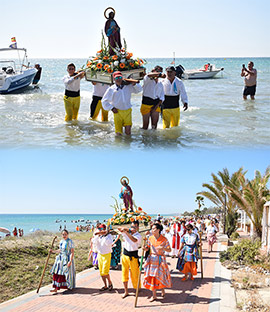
(63,269)
(188,253)
(156,270)
(211,235)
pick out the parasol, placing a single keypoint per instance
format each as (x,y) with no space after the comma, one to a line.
(4,230)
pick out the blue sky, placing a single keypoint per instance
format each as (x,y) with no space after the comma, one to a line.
(38,181)
(152,28)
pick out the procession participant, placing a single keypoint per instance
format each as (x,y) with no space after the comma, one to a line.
(37,75)
(93,251)
(175,231)
(156,270)
(166,232)
(153,96)
(112,31)
(96,106)
(63,270)
(182,228)
(72,92)
(104,241)
(116,252)
(207,222)
(211,235)
(130,259)
(250,75)
(188,254)
(117,99)
(173,89)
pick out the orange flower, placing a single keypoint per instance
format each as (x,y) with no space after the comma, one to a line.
(137,218)
(99,51)
(106,67)
(122,65)
(99,65)
(122,220)
(115,214)
(131,219)
(89,63)
(124,209)
(105,58)
(109,70)
(96,58)
(140,208)
(114,57)
(131,54)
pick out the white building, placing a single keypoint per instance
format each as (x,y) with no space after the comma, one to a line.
(266,227)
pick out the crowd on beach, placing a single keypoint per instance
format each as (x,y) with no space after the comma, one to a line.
(17,232)
(167,237)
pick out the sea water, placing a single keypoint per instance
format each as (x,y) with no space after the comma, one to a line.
(217,116)
(49,222)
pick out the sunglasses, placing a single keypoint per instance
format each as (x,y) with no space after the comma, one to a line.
(119,77)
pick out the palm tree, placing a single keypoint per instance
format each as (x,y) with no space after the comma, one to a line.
(199,199)
(217,192)
(252,196)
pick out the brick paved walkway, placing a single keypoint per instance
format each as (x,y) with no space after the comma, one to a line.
(189,296)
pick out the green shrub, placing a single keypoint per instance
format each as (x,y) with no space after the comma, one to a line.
(234,236)
(245,252)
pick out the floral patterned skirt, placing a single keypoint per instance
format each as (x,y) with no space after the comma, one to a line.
(59,281)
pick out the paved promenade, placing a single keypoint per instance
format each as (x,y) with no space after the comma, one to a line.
(200,295)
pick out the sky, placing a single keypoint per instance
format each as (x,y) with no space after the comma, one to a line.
(152,28)
(83,181)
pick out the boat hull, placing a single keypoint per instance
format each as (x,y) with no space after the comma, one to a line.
(193,74)
(18,81)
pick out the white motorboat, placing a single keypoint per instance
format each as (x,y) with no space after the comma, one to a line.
(202,73)
(14,76)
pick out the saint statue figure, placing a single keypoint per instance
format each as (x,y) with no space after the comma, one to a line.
(112,31)
(126,194)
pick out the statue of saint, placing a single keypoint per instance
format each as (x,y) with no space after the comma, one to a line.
(126,194)
(112,31)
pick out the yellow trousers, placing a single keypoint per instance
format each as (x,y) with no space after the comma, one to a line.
(104,113)
(133,266)
(145,109)
(72,106)
(121,119)
(104,263)
(171,117)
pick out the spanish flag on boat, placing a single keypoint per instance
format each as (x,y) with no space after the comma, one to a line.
(14,43)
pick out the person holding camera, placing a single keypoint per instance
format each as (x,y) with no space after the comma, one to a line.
(250,75)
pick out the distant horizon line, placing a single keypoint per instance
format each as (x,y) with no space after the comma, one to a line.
(167,57)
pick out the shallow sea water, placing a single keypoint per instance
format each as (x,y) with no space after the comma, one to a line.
(217,116)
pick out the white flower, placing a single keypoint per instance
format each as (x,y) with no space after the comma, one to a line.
(122,61)
(93,66)
(116,63)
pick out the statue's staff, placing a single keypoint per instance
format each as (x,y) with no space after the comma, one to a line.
(139,279)
(48,257)
(200,233)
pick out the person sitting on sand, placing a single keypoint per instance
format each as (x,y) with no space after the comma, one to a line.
(72,92)
(63,270)
(104,241)
(130,259)
(117,99)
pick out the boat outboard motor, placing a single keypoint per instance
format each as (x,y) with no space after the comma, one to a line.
(179,71)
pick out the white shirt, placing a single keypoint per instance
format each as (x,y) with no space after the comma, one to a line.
(72,84)
(129,245)
(153,89)
(119,98)
(211,229)
(103,244)
(100,89)
(175,88)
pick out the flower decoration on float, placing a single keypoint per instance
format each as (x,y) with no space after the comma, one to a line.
(123,216)
(121,60)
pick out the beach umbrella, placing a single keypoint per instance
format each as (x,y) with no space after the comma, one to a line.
(4,230)
(34,230)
